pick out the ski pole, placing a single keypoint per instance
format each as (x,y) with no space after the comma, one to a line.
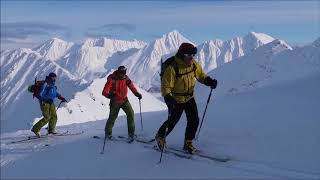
(205,110)
(104,144)
(140,115)
(165,134)
(59,105)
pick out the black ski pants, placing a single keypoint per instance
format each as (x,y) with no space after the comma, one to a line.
(175,112)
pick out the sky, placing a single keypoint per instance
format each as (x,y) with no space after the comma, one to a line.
(30,23)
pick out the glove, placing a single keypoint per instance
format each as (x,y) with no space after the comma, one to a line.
(170,100)
(211,82)
(138,95)
(62,99)
(111,95)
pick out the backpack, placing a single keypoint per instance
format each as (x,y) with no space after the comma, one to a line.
(171,61)
(35,88)
(114,82)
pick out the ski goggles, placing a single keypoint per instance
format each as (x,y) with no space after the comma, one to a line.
(189,55)
(122,71)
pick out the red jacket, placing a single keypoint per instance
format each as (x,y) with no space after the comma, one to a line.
(119,87)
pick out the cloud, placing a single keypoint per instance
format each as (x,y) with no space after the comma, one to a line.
(23,30)
(111,30)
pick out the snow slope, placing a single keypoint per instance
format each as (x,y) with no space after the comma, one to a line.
(271,133)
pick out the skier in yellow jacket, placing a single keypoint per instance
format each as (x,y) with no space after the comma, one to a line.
(177,87)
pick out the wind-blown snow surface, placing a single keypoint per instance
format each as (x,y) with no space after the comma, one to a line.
(270,133)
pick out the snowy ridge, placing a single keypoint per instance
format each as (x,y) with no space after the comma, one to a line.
(214,53)
(87,60)
(54,48)
(272,63)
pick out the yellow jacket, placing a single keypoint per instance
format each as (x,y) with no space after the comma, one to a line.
(181,88)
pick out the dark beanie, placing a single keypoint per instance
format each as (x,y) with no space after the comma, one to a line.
(187,48)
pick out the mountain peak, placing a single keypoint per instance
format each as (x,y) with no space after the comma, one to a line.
(173,36)
(261,37)
(53,48)
(171,40)
(280,43)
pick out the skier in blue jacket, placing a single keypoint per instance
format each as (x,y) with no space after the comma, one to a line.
(48,93)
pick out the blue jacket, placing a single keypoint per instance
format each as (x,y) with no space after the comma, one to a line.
(48,92)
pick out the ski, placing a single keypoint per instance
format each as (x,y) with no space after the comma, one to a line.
(115,139)
(32,138)
(202,155)
(140,140)
(198,153)
(168,151)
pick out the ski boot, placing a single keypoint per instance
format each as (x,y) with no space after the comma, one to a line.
(188,147)
(37,133)
(161,142)
(53,132)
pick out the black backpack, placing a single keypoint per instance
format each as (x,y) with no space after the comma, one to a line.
(35,88)
(171,61)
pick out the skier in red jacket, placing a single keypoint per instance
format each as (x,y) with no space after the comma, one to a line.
(116,90)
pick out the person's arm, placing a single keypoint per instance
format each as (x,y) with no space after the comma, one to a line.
(133,89)
(167,82)
(107,88)
(59,96)
(203,78)
(200,74)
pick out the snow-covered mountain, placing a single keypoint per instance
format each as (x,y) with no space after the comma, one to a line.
(214,53)
(87,60)
(269,64)
(54,48)
(144,64)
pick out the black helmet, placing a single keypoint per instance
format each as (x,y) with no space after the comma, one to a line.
(122,69)
(52,74)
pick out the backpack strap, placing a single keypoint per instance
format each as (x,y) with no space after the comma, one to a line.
(176,69)
(114,82)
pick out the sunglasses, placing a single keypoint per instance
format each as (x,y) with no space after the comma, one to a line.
(189,55)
